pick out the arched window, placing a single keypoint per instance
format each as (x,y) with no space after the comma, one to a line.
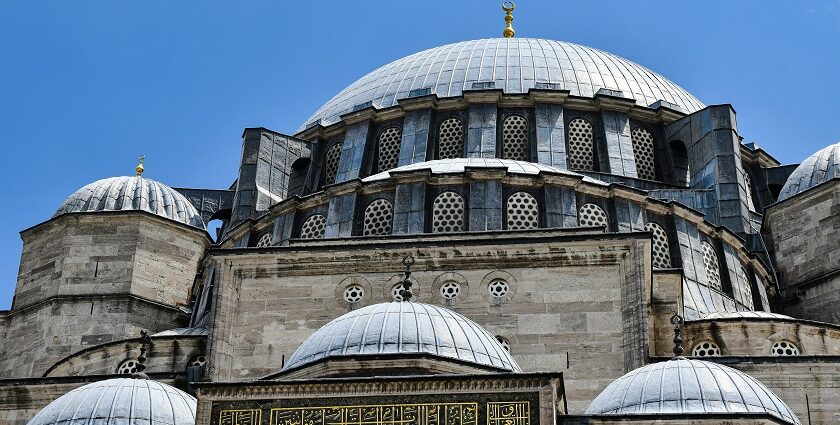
(745,292)
(706,349)
(712,265)
(748,189)
(515,138)
(297,176)
(643,151)
(679,156)
(448,213)
(661,251)
(331,163)
(581,145)
(784,348)
(451,139)
(592,215)
(522,211)
(313,227)
(389,148)
(378,218)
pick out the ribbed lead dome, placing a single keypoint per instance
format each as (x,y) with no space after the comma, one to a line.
(132,193)
(120,401)
(403,328)
(818,168)
(683,386)
(514,65)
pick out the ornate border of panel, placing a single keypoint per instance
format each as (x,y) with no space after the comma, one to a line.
(497,399)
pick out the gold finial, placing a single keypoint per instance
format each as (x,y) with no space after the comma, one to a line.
(508,7)
(139,168)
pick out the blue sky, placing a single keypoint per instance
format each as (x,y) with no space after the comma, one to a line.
(86,87)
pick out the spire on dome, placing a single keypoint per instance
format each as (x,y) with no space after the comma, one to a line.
(508,7)
(139,169)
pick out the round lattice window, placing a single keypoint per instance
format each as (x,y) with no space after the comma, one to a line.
(661,249)
(581,146)
(265,241)
(498,288)
(591,215)
(197,361)
(450,290)
(127,367)
(706,349)
(746,287)
(448,213)
(396,291)
(784,348)
(389,148)
(451,139)
(331,163)
(522,211)
(712,265)
(643,151)
(503,342)
(313,227)
(378,215)
(354,293)
(515,138)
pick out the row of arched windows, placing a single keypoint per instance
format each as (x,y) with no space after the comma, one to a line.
(515,145)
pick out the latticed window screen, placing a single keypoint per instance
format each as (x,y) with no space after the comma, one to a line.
(451,139)
(784,348)
(746,287)
(448,213)
(581,145)
(378,217)
(313,227)
(706,349)
(515,138)
(643,151)
(127,367)
(712,265)
(331,163)
(748,188)
(264,241)
(592,215)
(389,148)
(661,249)
(522,211)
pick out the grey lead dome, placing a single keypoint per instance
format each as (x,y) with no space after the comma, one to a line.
(403,328)
(120,401)
(132,193)
(817,169)
(514,65)
(684,386)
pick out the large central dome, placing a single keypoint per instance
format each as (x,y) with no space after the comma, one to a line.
(514,65)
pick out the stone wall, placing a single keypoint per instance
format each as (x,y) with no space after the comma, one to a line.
(87,279)
(576,300)
(805,232)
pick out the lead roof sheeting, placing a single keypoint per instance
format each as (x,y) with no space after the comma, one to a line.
(514,65)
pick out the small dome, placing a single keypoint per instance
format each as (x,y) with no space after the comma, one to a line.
(120,401)
(132,193)
(814,170)
(683,386)
(513,65)
(399,328)
(458,165)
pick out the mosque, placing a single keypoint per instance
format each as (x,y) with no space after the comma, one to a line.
(509,231)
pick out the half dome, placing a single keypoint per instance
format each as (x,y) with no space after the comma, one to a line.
(120,401)
(514,65)
(132,193)
(684,386)
(403,328)
(817,169)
